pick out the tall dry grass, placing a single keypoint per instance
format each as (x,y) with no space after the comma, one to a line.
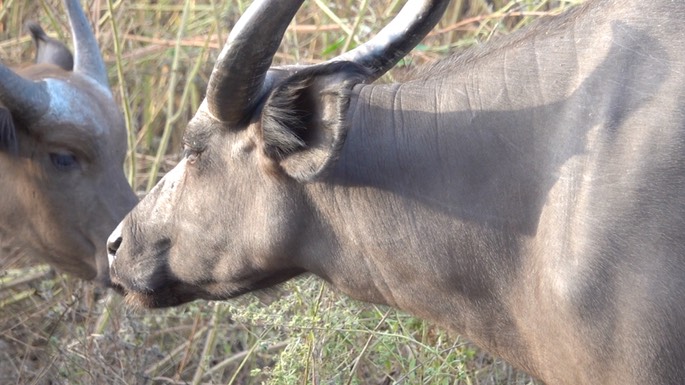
(56,330)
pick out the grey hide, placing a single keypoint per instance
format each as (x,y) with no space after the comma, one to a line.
(528,193)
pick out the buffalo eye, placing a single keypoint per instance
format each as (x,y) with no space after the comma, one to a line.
(64,161)
(191,155)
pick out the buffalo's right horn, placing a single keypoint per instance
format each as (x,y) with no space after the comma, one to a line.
(87,53)
(238,75)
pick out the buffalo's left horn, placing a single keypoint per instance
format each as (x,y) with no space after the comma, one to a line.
(26,99)
(238,75)
(88,59)
(400,36)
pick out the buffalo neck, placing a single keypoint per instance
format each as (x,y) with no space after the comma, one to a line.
(443,181)
(439,190)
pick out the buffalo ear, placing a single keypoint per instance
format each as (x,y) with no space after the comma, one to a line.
(49,50)
(8,132)
(304,122)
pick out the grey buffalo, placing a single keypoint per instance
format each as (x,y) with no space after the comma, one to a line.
(527,193)
(62,147)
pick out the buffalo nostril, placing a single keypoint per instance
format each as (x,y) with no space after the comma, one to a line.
(113,245)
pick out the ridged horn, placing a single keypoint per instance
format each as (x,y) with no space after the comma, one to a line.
(400,36)
(88,60)
(238,75)
(26,99)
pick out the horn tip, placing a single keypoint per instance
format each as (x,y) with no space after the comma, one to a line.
(35,30)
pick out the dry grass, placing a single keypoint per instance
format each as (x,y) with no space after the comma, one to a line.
(54,330)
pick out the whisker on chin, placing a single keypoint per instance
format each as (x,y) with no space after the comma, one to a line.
(138,301)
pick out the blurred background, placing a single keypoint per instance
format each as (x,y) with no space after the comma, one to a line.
(58,330)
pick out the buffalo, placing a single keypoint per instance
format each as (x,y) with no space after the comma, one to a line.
(62,148)
(527,193)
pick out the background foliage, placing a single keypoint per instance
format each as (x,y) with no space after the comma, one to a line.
(56,330)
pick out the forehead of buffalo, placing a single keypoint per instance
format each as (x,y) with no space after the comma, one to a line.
(83,103)
(83,118)
(200,128)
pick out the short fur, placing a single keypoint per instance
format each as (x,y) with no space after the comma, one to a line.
(8,135)
(293,122)
(528,194)
(62,146)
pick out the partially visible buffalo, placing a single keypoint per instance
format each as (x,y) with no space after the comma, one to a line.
(62,147)
(529,193)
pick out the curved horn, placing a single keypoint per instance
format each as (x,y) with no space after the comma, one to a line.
(400,36)
(238,75)
(27,100)
(88,58)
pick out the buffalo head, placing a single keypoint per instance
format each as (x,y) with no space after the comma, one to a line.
(232,217)
(62,147)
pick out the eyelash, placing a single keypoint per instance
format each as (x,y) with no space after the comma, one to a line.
(191,155)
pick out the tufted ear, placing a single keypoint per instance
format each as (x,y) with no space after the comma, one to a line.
(8,132)
(303,120)
(49,50)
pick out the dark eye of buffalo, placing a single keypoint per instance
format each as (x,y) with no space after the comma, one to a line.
(64,161)
(191,155)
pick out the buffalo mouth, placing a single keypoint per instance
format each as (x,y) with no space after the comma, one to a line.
(173,292)
(157,290)
(169,295)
